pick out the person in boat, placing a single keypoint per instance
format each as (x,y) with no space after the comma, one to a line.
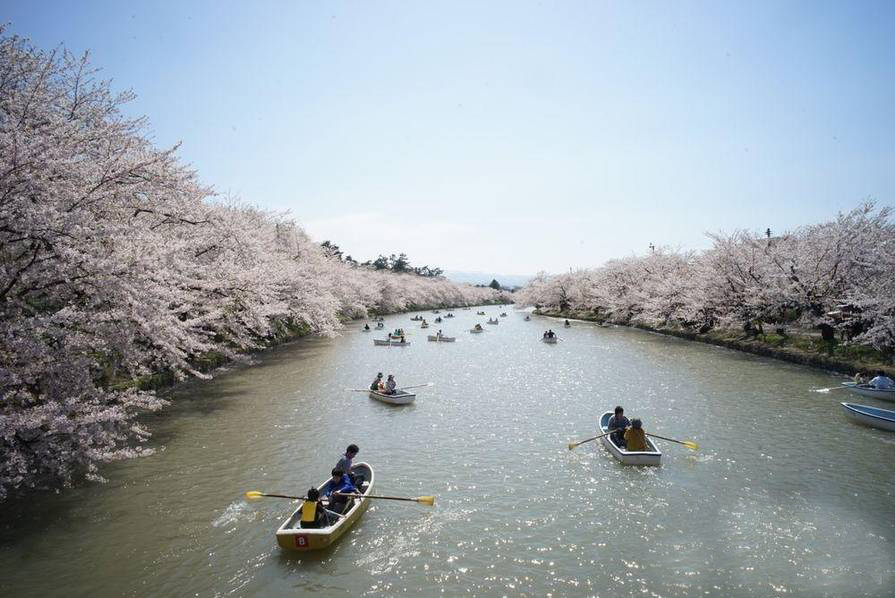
(881,381)
(313,513)
(391,385)
(551,334)
(635,436)
(567,323)
(439,333)
(345,463)
(336,488)
(376,382)
(366,326)
(617,425)
(860,378)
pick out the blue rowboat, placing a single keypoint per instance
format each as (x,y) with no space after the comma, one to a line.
(870,416)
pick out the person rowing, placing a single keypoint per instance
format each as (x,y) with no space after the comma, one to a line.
(366,326)
(391,385)
(376,382)
(617,425)
(335,489)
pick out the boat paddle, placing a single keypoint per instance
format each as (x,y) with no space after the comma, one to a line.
(402,388)
(687,443)
(835,388)
(255,495)
(423,500)
(574,444)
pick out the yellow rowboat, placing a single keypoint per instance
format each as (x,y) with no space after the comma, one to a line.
(291,536)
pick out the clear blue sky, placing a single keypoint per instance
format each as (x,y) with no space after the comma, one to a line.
(510,136)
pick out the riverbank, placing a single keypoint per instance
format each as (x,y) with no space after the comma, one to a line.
(795,348)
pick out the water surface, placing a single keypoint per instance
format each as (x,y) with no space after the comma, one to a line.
(785,497)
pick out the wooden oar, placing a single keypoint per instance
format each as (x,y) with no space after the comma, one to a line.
(423,500)
(255,495)
(835,388)
(574,444)
(687,443)
(417,385)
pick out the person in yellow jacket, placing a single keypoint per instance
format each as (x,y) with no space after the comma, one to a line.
(635,437)
(313,515)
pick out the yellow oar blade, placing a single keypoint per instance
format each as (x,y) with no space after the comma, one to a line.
(572,445)
(690,445)
(254,495)
(426,500)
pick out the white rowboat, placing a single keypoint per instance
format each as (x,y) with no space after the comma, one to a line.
(866,390)
(870,416)
(401,397)
(442,339)
(549,341)
(291,536)
(476,330)
(649,457)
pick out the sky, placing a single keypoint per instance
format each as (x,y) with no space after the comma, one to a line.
(510,137)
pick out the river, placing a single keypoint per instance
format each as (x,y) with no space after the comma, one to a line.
(784,498)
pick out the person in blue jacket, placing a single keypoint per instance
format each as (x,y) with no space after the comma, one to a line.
(336,489)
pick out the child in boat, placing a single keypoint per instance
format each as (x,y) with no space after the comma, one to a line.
(339,485)
(617,424)
(313,515)
(635,437)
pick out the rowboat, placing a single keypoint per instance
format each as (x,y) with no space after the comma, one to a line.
(528,318)
(503,315)
(416,319)
(648,457)
(549,340)
(865,390)
(399,343)
(567,325)
(381,343)
(442,339)
(424,325)
(291,536)
(380,326)
(365,329)
(476,330)
(435,311)
(394,336)
(493,322)
(870,416)
(480,313)
(401,397)
(449,316)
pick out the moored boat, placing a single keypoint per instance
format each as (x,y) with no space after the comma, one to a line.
(442,338)
(884,419)
(652,456)
(401,397)
(291,536)
(865,390)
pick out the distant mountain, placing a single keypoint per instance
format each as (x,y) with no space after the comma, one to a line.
(507,280)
